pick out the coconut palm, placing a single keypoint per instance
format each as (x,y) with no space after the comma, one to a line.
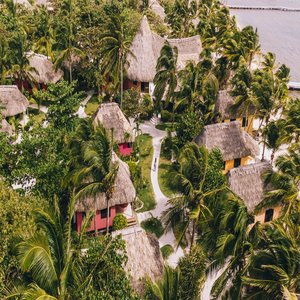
(51,256)
(196,166)
(115,48)
(165,79)
(92,170)
(4,60)
(271,134)
(166,288)
(274,270)
(284,183)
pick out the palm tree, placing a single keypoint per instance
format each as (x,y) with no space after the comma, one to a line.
(92,169)
(271,134)
(115,48)
(4,60)
(166,288)
(284,183)
(21,68)
(196,167)
(274,269)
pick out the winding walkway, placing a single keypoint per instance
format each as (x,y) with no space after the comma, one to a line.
(161,199)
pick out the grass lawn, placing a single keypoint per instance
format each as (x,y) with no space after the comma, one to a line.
(153,225)
(146,152)
(164,126)
(92,105)
(166,251)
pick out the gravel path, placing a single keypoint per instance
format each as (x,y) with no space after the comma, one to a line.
(161,199)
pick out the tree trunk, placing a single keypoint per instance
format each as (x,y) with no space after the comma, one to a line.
(121,82)
(193,234)
(70,71)
(107,217)
(95,221)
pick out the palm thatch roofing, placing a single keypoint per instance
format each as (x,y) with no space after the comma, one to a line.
(144,256)
(45,70)
(12,100)
(247,182)
(113,119)
(123,192)
(26,3)
(232,141)
(145,51)
(157,9)
(223,106)
(6,127)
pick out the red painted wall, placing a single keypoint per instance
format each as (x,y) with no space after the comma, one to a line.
(100,223)
(125,150)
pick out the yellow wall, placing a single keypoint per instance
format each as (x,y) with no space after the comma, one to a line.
(260,217)
(249,127)
(230,163)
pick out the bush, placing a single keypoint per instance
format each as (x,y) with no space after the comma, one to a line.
(119,222)
(166,251)
(166,116)
(153,225)
(136,174)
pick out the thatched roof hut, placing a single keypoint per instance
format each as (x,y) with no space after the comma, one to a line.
(223,106)
(124,191)
(157,9)
(145,51)
(25,3)
(247,182)
(45,70)
(6,127)
(144,256)
(232,141)
(112,118)
(13,101)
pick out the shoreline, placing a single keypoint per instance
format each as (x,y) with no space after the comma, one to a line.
(263,8)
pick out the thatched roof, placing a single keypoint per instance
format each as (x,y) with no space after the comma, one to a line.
(145,51)
(189,49)
(247,182)
(45,70)
(13,101)
(157,9)
(223,106)
(44,3)
(26,3)
(232,141)
(6,127)
(124,191)
(111,117)
(144,256)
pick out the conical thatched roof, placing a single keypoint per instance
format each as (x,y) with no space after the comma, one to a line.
(6,127)
(45,3)
(145,51)
(124,191)
(157,9)
(13,101)
(247,182)
(232,141)
(144,256)
(111,117)
(223,106)
(45,70)
(23,2)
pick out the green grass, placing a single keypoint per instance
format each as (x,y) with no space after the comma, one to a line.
(153,225)
(164,126)
(166,251)
(146,152)
(92,105)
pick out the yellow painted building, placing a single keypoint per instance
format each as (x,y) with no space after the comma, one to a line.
(247,183)
(237,147)
(223,107)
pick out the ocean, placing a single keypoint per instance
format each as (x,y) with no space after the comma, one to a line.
(279,31)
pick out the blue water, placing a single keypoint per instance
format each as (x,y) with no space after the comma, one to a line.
(279,31)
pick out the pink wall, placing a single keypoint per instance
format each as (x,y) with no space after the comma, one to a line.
(125,150)
(100,223)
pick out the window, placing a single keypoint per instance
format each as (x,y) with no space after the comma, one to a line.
(237,162)
(269,215)
(134,82)
(232,120)
(103,213)
(245,122)
(128,145)
(145,87)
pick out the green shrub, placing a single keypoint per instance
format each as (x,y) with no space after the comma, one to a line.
(119,222)
(136,174)
(166,251)
(166,116)
(153,225)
